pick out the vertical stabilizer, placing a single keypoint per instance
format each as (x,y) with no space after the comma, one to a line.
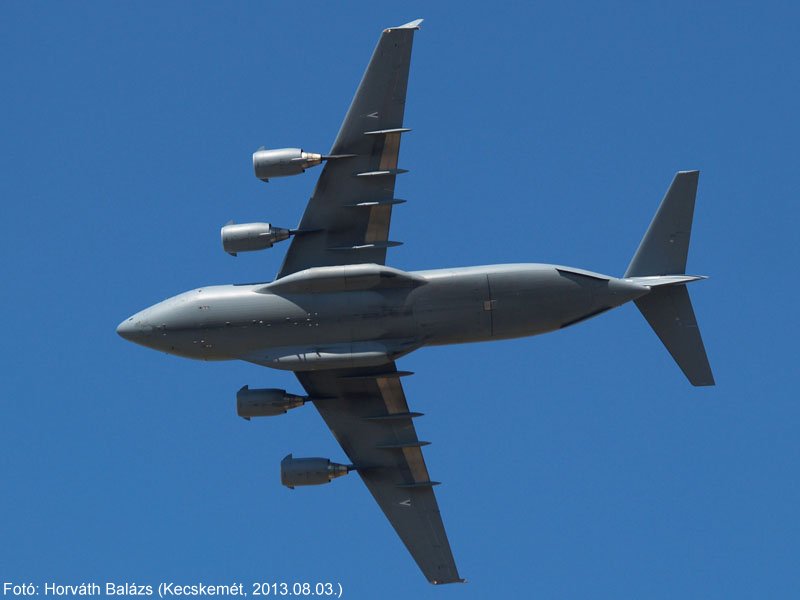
(664,247)
(662,252)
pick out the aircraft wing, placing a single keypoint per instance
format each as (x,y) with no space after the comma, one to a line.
(347,218)
(367,412)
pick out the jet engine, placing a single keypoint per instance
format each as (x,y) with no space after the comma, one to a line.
(310,471)
(283,162)
(265,402)
(247,237)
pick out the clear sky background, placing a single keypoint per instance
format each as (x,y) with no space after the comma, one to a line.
(579,464)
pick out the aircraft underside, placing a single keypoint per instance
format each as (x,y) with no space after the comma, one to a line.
(340,318)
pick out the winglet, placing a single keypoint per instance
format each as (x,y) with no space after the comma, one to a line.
(412,25)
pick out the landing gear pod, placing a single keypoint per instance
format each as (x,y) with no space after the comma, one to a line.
(309,471)
(248,237)
(283,162)
(265,402)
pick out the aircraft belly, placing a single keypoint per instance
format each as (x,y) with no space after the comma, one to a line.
(536,301)
(336,330)
(453,310)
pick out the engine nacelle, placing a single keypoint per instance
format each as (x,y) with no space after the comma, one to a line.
(265,402)
(283,162)
(247,237)
(309,471)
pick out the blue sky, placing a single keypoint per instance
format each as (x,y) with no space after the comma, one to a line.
(578,464)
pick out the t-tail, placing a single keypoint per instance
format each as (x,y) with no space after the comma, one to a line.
(660,263)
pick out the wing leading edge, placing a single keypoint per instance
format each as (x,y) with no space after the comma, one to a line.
(367,412)
(347,218)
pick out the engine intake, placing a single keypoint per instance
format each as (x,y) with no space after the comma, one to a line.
(283,162)
(309,471)
(265,402)
(248,237)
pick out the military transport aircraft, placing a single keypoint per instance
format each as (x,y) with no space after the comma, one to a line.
(339,318)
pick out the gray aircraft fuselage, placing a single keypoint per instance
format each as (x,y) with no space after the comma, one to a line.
(363,315)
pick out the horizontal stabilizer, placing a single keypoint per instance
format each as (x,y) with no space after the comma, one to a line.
(415,24)
(387,131)
(669,311)
(660,280)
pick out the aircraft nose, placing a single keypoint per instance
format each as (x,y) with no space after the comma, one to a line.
(126,329)
(134,329)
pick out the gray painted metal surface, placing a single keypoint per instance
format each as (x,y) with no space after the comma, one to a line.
(339,317)
(665,245)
